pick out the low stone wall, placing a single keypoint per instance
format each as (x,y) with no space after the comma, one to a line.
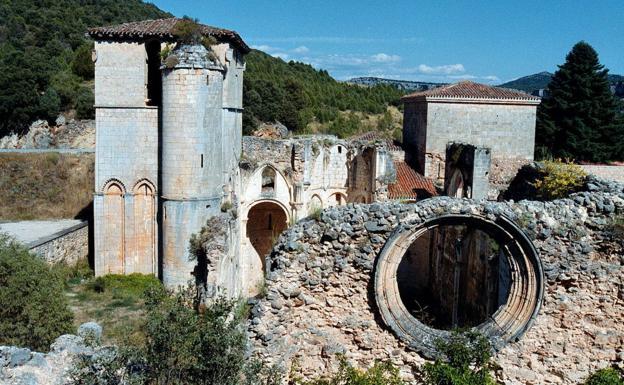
(615,173)
(321,299)
(67,246)
(20,366)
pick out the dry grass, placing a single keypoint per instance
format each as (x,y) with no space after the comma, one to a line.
(45,186)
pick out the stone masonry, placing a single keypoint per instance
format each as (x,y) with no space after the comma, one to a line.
(320,299)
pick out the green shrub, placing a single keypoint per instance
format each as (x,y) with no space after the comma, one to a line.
(84,104)
(50,104)
(559,179)
(82,62)
(33,307)
(132,285)
(73,275)
(381,373)
(186,343)
(464,360)
(608,376)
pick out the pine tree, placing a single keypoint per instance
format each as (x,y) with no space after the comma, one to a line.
(581,120)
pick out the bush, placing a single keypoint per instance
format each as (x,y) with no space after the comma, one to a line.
(608,376)
(84,104)
(186,343)
(381,373)
(50,104)
(33,307)
(559,179)
(464,360)
(82,63)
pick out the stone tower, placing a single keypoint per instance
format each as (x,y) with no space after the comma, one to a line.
(168,142)
(197,152)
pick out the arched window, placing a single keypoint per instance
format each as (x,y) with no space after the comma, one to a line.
(111,251)
(143,245)
(268,181)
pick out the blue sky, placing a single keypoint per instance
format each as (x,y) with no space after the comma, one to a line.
(436,40)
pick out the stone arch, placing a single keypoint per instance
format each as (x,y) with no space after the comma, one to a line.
(265,221)
(113,231)
(278,187)
(337,199)
(506,324)
(316,203)
(142,253)
(268,180)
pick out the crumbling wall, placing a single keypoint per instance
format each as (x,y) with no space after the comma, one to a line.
(320,298)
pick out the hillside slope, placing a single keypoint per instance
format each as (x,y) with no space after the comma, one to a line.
(45,57)
(298,96)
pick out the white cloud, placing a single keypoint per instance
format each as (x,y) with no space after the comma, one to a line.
(385,58)
(302,49)
(281,55)
(448,69)
(266,48)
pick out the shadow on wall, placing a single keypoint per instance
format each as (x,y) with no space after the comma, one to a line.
(86,214)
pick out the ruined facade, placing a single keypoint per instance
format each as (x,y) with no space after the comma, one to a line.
(168,141)
(170,157)
(500,120)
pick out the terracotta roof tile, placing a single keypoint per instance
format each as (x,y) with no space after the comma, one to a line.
(410,184)
(471,90)
(373,136)
(162,29)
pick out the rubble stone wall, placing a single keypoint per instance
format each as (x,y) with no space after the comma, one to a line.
(320,297)
(67,247)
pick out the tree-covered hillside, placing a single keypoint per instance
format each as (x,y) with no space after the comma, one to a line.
(45,58)
(296,94)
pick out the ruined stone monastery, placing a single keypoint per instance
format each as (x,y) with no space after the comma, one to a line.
(181,194)
(170,155)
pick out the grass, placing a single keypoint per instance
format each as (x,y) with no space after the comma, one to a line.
(45,186)
(113,301)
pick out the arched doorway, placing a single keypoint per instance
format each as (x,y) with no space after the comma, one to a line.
(265,222)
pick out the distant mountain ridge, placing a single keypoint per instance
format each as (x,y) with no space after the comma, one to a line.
(540,81)
(404,85)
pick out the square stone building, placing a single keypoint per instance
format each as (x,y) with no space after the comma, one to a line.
(495,119)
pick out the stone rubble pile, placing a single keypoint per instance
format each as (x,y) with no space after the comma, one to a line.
(64,134)
(320,299)
(20,366)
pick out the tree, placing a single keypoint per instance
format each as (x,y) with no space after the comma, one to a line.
(33,307)
(464,360)
(581,119)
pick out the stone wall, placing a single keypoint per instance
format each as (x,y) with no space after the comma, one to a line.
(320,297)
(68,246)
(19,366)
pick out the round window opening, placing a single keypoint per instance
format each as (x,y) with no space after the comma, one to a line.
(454,276)
(458,271)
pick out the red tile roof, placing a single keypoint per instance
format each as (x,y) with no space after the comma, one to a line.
(373,136)
(162,29)
(410,184)
(471,90)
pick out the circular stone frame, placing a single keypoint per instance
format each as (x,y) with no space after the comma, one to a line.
(507,324)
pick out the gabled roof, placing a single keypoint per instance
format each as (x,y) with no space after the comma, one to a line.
(410,184)
(468,91)
(162,29)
